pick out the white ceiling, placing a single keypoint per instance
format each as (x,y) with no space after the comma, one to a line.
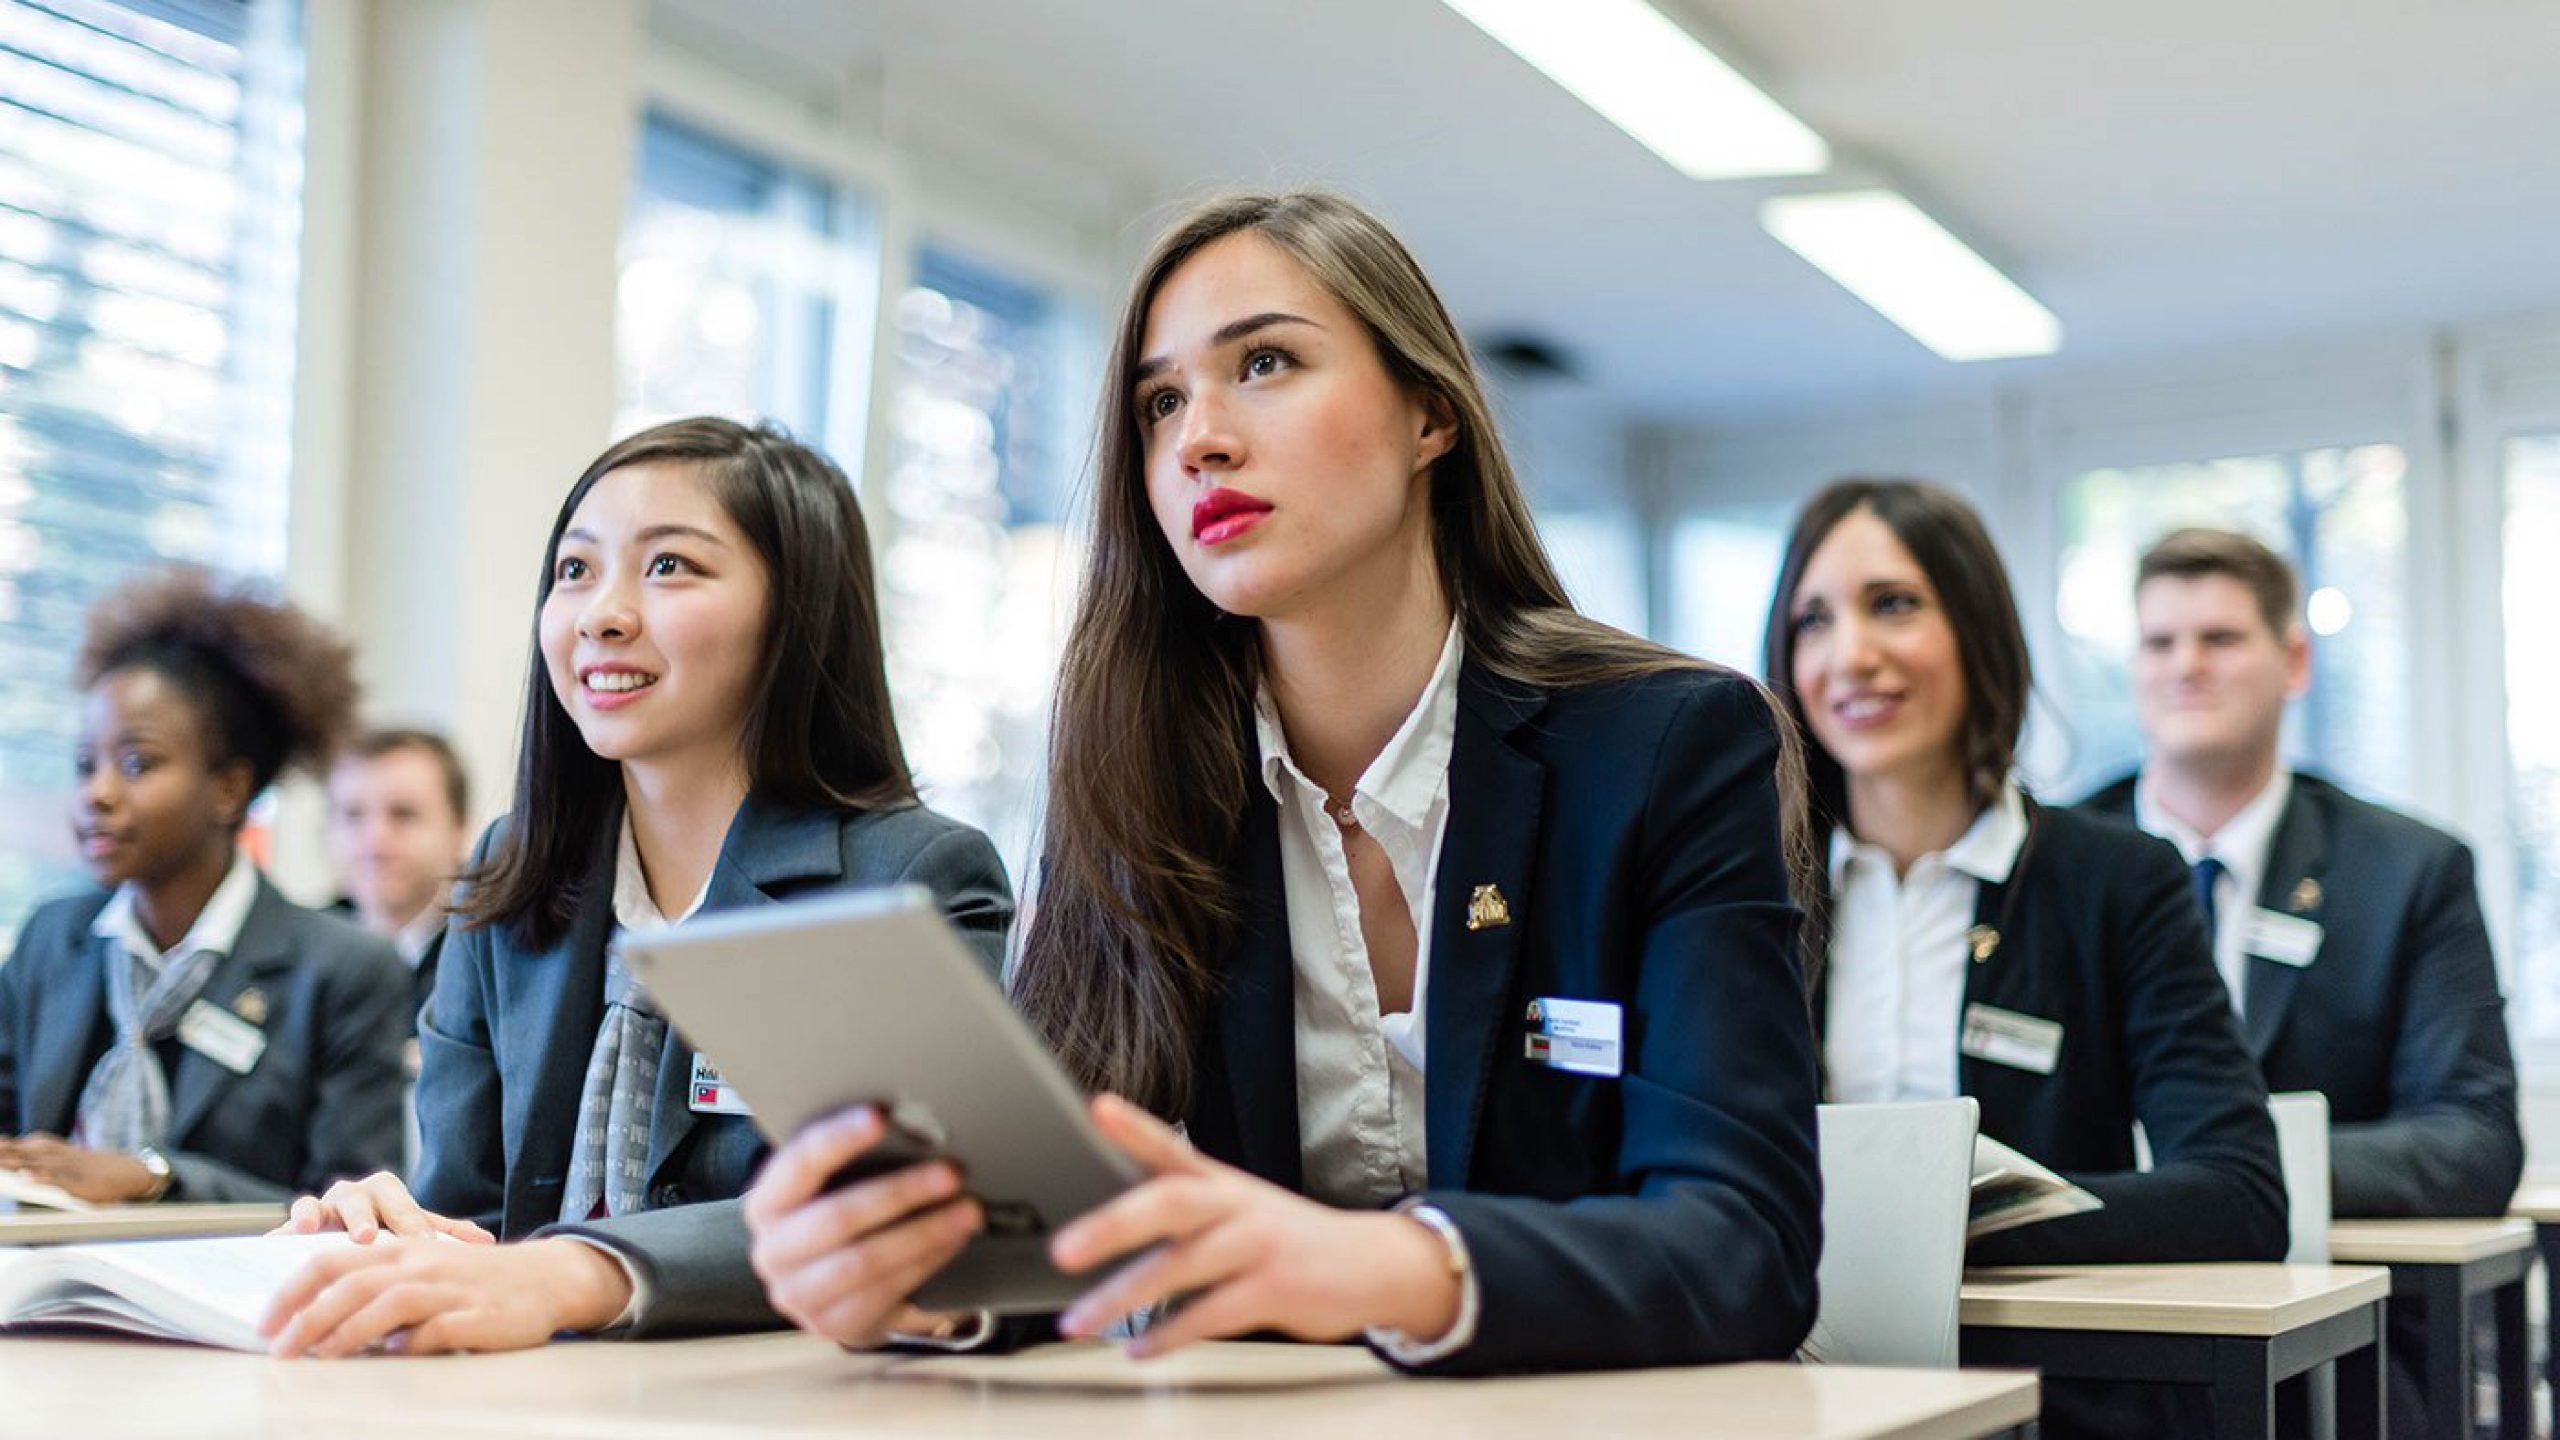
(2167,177)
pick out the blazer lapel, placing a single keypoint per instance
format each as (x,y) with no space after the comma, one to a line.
(1257,1009)
(770,850)
(66,1044)
(258,955)
(1497,796)
(550,1004)
(2296,858)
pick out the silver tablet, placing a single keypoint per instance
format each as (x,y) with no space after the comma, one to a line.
(811,1006)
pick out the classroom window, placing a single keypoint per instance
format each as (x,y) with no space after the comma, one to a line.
(1724,566)
(2532,538)
(2339,514)
(985,438)
(150,193)
(735,271)
(1599,555)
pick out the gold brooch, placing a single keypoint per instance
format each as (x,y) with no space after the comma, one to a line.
(251,1006)
(1486,909)
(2306,896)
(1982,940)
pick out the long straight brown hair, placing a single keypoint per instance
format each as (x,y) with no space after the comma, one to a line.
(1151,746)
(819,730)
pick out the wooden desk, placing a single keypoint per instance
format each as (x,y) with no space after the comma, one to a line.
(2237,1330)
(136,1222)
(2439,1268)
(795,1385)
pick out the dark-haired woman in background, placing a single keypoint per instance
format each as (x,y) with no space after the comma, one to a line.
(1454,925)
(707,725)
(195,1035)
(2047,963)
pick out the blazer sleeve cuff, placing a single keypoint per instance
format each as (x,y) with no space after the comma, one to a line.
(641,1290)
(1403,1350)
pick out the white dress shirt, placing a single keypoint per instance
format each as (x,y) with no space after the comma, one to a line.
(412,939)
(2241,845)
(1360,1073)
(217,926)
(1898,955)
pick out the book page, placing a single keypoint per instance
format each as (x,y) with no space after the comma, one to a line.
(210,1291)
(2010,1189)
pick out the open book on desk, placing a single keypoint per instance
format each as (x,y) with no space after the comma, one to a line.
(2010,1190)
(210,1292)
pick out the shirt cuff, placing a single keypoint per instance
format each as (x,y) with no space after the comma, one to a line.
(971,1332)
(632,1308)
(1403,1349)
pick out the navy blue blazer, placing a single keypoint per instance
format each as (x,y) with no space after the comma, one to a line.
(506,1039)
(2096,932)
(321,1103)
(1671,1215)
(2397,1019)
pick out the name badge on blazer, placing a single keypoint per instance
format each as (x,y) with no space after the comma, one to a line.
(2285,939)
(1583,1036)
(2005,1037)
(709,1094)
(221,1037)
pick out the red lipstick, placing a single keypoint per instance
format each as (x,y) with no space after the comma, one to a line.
(1223,514)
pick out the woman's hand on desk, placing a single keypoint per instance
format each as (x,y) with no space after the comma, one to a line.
(1249,1254)
(428,1297)
(370,1206)
(102,1177)
(842,1262)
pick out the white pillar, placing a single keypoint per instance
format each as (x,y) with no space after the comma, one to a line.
(470,167)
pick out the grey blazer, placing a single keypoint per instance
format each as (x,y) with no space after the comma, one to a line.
(323,1099)
(506,1036)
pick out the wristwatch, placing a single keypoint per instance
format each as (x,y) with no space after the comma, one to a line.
(158,1164)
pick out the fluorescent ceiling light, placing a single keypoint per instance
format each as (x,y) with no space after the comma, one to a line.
(1652,79)
(1885,251)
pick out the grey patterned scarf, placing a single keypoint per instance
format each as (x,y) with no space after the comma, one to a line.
(125,1104)
(609,1160)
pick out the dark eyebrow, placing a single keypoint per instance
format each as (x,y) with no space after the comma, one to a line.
(690,532)
(654,532)
(1228,334)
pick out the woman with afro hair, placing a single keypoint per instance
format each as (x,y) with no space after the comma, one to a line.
(183,1031)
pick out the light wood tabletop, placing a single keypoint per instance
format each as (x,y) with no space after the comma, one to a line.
(795,1385)
(2255,1300)
(2538,1201)
(135,1222)
(2427,1242)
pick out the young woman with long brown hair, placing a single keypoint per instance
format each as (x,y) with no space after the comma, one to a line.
(2045,962)
(1455,928)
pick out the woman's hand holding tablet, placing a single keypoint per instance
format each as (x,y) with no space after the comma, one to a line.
(1249,1254)
(842,1262)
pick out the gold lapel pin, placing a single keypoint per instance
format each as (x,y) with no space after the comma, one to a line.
(251,1006)
(1983,940)
(1486,909)
(2306,896)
